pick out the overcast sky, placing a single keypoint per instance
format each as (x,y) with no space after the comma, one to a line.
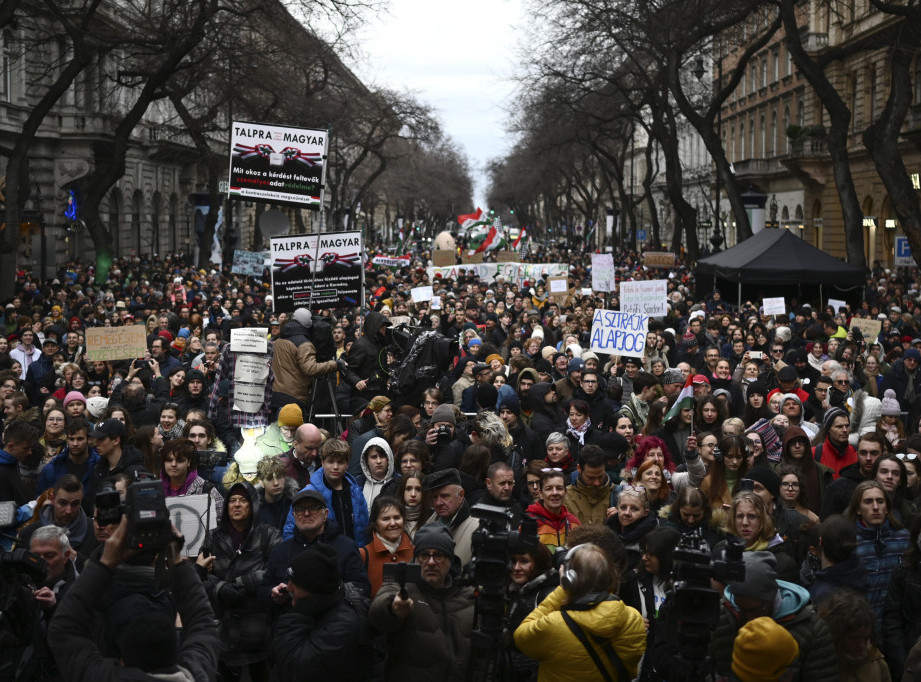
(455,56)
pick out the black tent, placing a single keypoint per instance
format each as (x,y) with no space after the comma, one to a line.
(775,260)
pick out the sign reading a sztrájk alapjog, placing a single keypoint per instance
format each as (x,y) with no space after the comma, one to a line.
(278,164)
(306,274)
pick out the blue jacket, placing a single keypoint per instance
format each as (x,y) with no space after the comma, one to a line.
(57,467)
(359,507)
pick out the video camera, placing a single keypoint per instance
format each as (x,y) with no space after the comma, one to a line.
(212,458)
(149,527)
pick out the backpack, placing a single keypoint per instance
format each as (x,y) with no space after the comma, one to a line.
(322,333)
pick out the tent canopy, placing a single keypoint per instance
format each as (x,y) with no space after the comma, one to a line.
(775,256)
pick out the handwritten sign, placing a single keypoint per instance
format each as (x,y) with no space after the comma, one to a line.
(619,333)
(648,297)
(869,328)
(775,306)
(421,294)
(586,291)
(116,343)
(248,397)
(252,369)
(249,340)
(659,259)
(602,272)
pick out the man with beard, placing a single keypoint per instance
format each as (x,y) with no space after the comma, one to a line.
(64,511)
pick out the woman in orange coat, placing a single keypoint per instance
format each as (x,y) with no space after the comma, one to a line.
(389,542)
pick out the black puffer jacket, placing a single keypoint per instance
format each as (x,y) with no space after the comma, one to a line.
(363,359)
(233,583)
(326,635)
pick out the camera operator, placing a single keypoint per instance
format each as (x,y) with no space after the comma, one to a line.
(364,372)
(148,643)
(446,449)
(295,364)
(428,630)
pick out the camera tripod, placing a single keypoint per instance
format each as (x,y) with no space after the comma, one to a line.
(326,379)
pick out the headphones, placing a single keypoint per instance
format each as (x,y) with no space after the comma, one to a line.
(569,577)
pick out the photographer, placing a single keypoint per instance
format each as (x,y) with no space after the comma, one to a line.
(559,632)
(446,449)
(148,644)
(428,629)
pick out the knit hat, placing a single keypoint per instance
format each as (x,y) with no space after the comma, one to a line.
(755,387)
(96,406)
(184,333)
(474,342)
(831,415)
(766,477)
(891,406)
(378,403)
(772,444)
(494,356)
(303,317)
(547,352)
(689,340)
(444,413)
(434,536)
(576,365)
(760,577)
(74,395)
(911,353)
(316,569)
(787,373)
(290,415)
(510,403)
(194,375)
(763,651)
(164,334)
(672,376)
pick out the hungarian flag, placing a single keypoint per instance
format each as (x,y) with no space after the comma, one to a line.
(517,242)
(486,241)
(469,218)
(685,398)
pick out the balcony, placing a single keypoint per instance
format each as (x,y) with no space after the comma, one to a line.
(815,42)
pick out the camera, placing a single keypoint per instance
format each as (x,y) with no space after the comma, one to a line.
(443,433)
(149,527)
(212,458)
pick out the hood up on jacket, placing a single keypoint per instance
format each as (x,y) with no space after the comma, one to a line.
(373,323)
(385,446)
(237,488)
(537,394)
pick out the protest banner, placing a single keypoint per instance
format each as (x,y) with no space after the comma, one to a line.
(421,294)
(507,257)
(648,297)
(442,258)
(659,259)
(189,513)
(471,257)
(248,263)
(391,262)
(603,272)
(775,306)
(116,343)
(317,271)
(517,272)
(869,328)
(277,164)
(619,333)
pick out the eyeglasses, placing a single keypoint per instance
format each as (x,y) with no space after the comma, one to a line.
(547,470)
(425,557)
(304,511)
(634,488)
(910,456)
(792,485)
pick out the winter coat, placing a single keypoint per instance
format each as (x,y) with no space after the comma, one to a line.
(865,412)
(351,569)
(545,637)
(818,659)
(131,461)
(57,467)
(589,503)
(12,487)
(79,532)
(835,459)
(880,550)
(370,487)
(233,584)
(294,362)
(375,556)
(433,642)
(359,508)
(631,535)
(850,573)
(324,637)
(545,419)
(552,529)
(898,380)
(461,528)
(523,601)
(78,654)
(363,361)
(839,492)
(902,617)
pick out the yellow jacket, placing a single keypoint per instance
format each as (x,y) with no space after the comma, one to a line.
(545,637)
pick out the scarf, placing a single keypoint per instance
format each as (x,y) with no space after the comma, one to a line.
(411,519)
(565,464)
(759,546)
(175,432)
(392,547)
(578,434)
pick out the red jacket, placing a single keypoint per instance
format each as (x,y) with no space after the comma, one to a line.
(833,458)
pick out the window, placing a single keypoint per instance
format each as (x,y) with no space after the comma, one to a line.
(751,138)
(775,65)
(753,78)
(6,65)
(764,73)
(742,140)
(763,150)
(772,138)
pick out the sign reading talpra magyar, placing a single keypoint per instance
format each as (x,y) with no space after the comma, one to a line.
(617,333)
(278,164)
(116,343)
(317,271)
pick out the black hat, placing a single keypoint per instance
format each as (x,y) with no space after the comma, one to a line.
(757,387)
(316,569)
(439,479)
(766,477)
(109,429)
(787,373)
(312,495)
(194,375)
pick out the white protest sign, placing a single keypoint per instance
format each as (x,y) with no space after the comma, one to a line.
(586,291)
(837,305)
(249,340)
(436,303)
(619,333)
(248,397)
(422,294)
(251,369)
(602,272)
(189,513)
(648,297)
(558,285)
(775,306)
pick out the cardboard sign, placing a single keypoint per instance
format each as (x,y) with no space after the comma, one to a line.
(603,277)
(471,258)
(421,294)
(648,297)
(869,328)
(189,513)
(116,343)
(659,259)
(586,291)
(558,288)
(775,306)
(249,340)
(837,305)
(618,333)
(443,258)
(507,257)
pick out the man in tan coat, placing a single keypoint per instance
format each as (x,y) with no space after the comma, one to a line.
(294,363)
(589,498)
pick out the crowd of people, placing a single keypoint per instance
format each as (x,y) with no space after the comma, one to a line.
(792,436)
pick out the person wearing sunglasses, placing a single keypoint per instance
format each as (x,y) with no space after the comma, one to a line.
(912,462)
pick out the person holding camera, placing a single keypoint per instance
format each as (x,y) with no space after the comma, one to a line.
(446,449)
(149,646)
(427,624)
(582,631)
